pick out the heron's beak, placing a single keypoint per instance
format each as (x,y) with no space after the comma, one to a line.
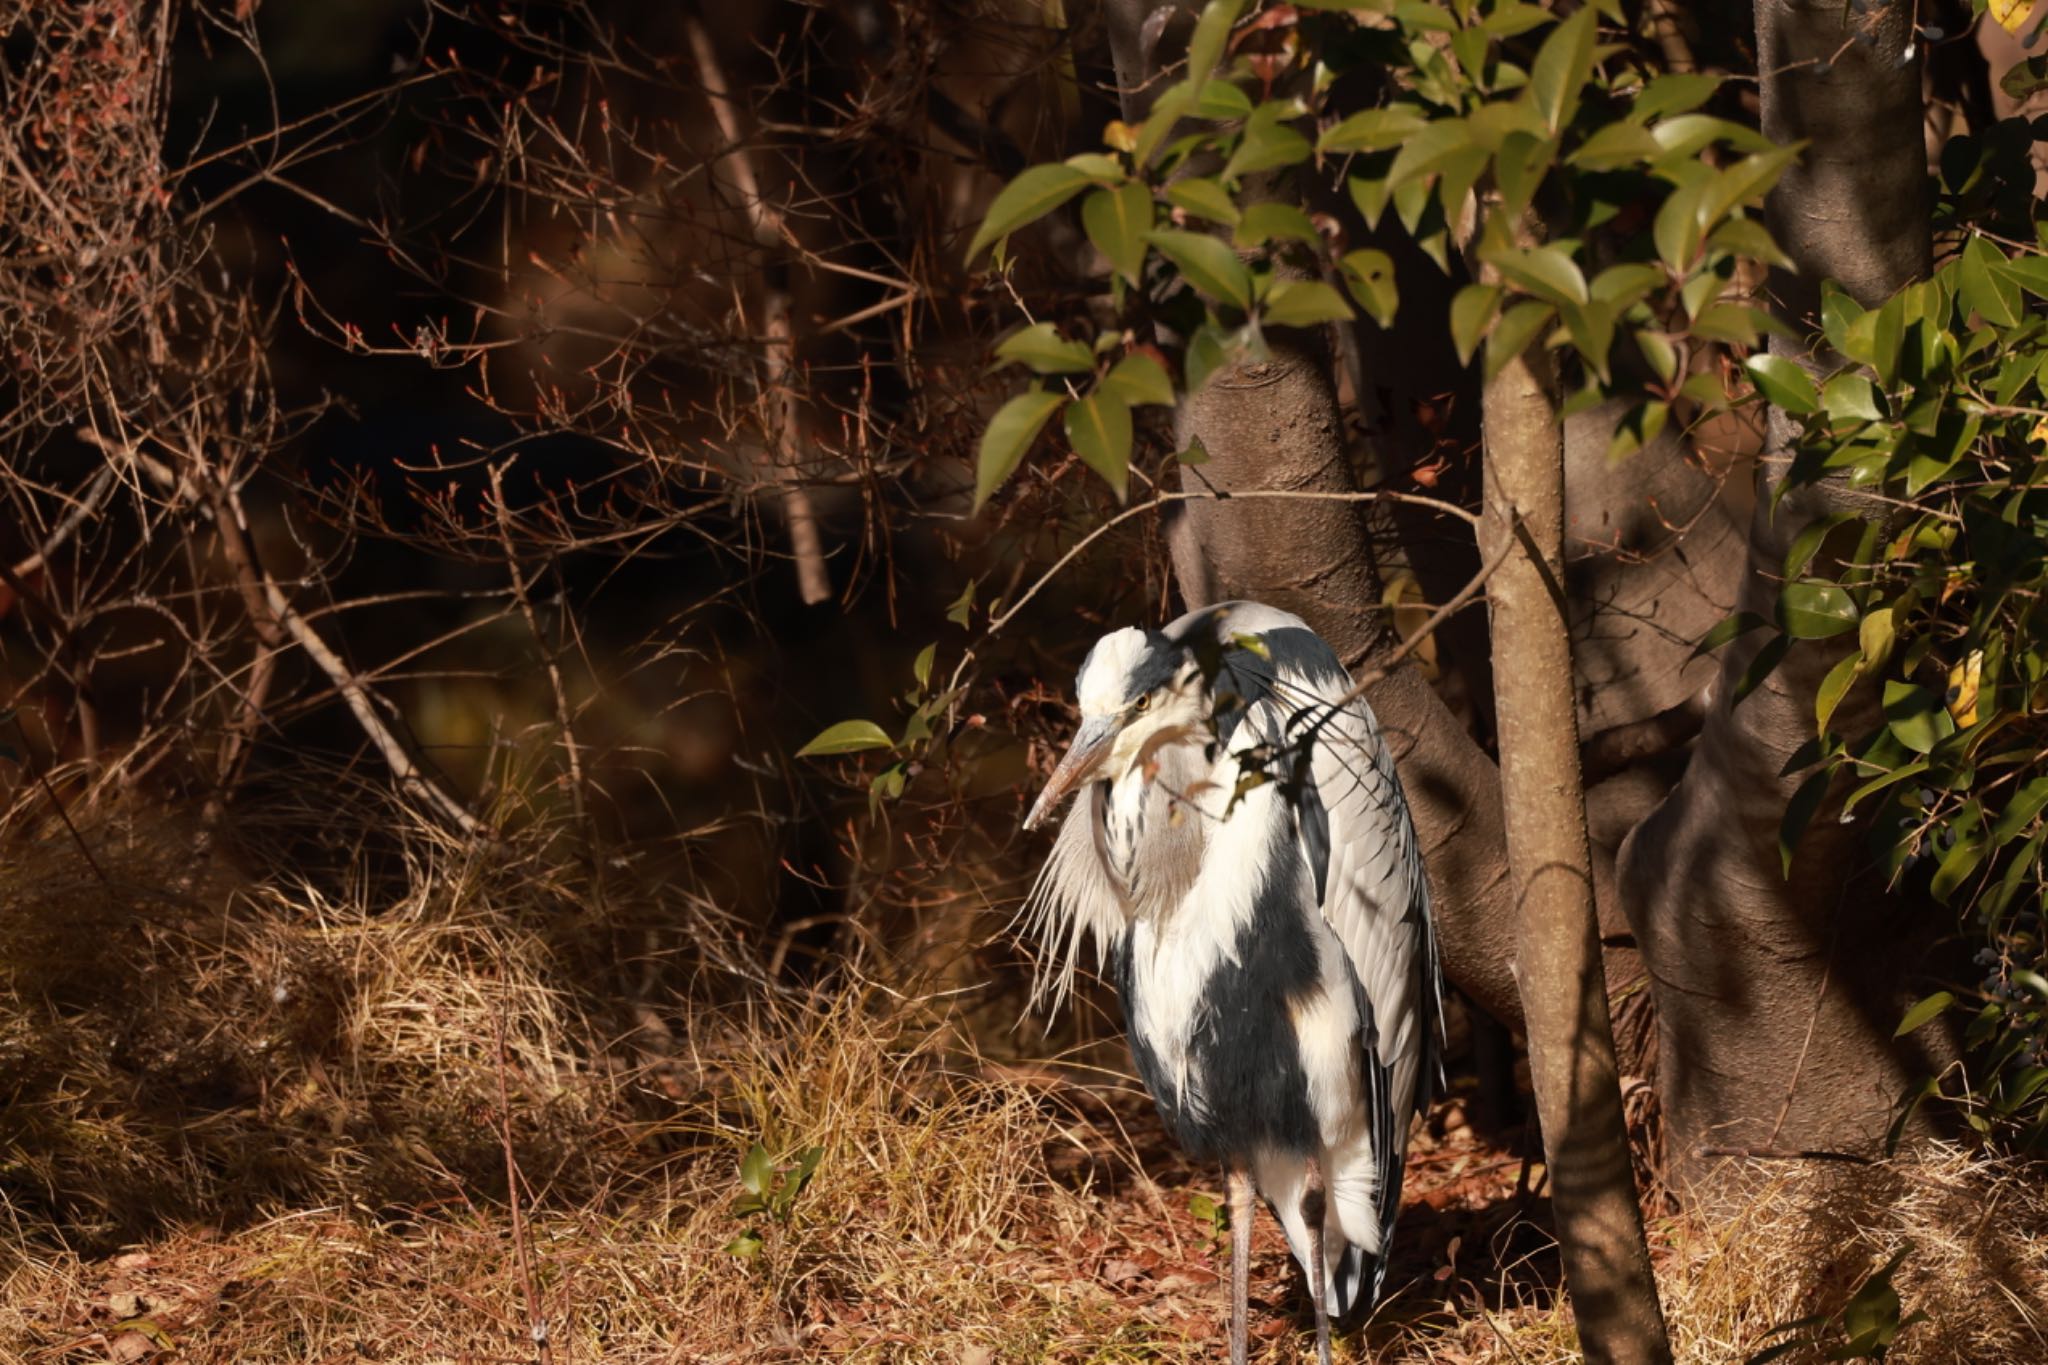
(1091,744)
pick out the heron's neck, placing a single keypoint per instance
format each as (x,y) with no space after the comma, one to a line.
(1154,825)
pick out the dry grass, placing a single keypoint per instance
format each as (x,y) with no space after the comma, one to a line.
(259,1114)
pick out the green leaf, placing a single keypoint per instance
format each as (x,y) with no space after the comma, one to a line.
(1915,716)
(1510,336)
(1548,272)
(1744,183)
(1798,814)
(847,737)
(1957,864)
(1428,150)
(1010,433)
(1303,303)
(1875,636)
(1212,30)
(1923,1013)
(2025,78)
(1472,308)
(2020,810)
(1369,275)
(1139,379)
(1850,400)
(1615,146)
(1099,167)
(1099,428)
(961,610)
(1373,130)
(1222,101)
(746,1246)
(1679,93)
(1812,609)
(1747,237)
(1518,168)
(1032,195)
(757,1167)
(1761,667)
(1209,265)
(1784,382)
(1268,142)
(1834,687)
(1045,351)
(1562,65)
(1676,231)
(1267,220)
(1986,287)
(1208,349)
(1204,198)
(1117,221)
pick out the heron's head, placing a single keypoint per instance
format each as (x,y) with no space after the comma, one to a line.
(1139,691)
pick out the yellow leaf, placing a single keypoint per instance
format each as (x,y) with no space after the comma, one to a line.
(1119,136)
(2040,432)
(1962,689)
(2011,14)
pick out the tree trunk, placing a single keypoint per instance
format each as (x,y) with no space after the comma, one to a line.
(1558,960)
(1776,997)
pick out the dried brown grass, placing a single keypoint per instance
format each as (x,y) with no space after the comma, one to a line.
(255,1115)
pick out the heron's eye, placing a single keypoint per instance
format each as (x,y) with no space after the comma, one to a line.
(1143,703)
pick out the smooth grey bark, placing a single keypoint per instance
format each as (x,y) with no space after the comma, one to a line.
(1776,997)
(1558,963)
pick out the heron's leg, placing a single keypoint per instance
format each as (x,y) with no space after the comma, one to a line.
(1238,1190)
(1312,1207)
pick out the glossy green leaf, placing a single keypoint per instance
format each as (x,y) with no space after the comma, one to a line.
(1798,814)
(1924,1013)
(847,737)
(1369,275)
(1268,143)
(1472,308)
(1744,183)
(1099,429)
(1986,287)
(1269,221)
(1784,382)
(1204,198)
(1676,230)
(1834,687)
(1915,715)
(1117,221)
(1010,433)
(1303,303)
(1676,93)
(1428,150)
(1206,263)
(2020,811)
(1208,350)
(1815,610)
(1032,195)
(1558,76)
(1222,100)
(1373,130)
(1759,668)
(1045,351)
(1548,272)
(1511,335)
(1874,636)
(1139,379)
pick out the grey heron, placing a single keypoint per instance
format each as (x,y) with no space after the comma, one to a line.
(1242,856)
